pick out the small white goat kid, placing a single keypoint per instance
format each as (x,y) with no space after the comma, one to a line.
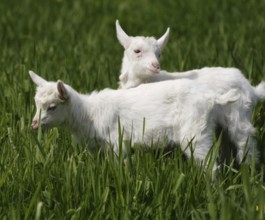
(140,64)
(178,110)
(141,52)
(141,57)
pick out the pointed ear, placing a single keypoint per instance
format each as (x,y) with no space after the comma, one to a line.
(36,79)
(63,94)
(162,41)
(124,39)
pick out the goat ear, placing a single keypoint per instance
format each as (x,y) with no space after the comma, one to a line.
(36,78)
(63,94)
(124,39)
(162,41)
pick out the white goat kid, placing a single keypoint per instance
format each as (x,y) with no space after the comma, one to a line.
(141,57)
(178,110)
(236,118)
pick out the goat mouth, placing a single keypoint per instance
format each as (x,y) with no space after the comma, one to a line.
(36,127)
(153,70)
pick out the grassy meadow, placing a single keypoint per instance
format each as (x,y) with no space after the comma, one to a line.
(48,176)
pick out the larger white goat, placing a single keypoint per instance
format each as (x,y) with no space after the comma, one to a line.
(179,110)
(141,52)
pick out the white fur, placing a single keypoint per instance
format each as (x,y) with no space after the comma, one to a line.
(178,111)
(138,68)
(141,55)
(236,118)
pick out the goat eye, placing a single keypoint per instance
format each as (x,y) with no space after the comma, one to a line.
(137,51)
(51,108)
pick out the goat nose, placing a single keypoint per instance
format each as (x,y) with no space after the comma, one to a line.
(156,65)
(34,123)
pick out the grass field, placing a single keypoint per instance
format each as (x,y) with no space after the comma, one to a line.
(48,176)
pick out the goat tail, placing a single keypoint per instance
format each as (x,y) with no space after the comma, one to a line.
(228,97)
(260,90)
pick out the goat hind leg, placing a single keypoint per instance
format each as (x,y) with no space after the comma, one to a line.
(243,136)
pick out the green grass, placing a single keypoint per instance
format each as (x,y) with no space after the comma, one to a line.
(49,176)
